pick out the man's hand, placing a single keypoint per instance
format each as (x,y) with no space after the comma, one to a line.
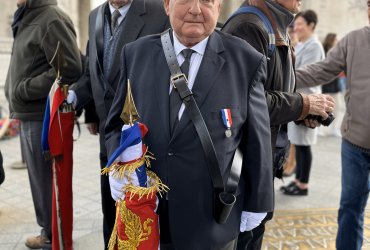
(321,105)
(93,128)
(72,98)
(311,123)
(116,184)
(250,220)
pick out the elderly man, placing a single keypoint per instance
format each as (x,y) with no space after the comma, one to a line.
(37,28)
(350,55)
(221,80)
(112,25)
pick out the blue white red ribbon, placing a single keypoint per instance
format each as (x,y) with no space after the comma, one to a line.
(226,118)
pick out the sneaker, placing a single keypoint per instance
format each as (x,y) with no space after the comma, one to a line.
(36,242)
(295,190)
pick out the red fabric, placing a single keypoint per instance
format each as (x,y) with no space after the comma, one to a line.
(144,208)
(143,129)
(61,148)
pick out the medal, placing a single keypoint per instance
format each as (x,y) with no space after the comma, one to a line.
(228,133)
(227,120)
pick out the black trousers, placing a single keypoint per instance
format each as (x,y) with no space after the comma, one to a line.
(252,240)
(107,202)
(303,156)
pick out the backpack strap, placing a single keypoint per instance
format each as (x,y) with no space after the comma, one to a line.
(266,22)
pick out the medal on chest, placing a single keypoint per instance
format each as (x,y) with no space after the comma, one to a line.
(227,121)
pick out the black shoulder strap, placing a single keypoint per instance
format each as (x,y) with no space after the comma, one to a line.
(179,82)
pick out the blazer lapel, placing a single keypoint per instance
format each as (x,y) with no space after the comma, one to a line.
(99,36)
(209,69)
(131,27)
(162,89)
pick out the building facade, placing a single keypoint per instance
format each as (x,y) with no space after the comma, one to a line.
(335,16)
(77,10)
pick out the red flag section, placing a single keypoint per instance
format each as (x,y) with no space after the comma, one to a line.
(136,223)
(60,140)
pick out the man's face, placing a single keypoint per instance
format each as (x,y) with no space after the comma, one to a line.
(119,3)
(21,3)
(193,20)
(294,6)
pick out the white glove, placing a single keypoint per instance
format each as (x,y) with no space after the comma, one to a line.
(72,98)
(117,184)
(250,220)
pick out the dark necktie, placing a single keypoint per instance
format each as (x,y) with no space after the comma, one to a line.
(175,100)
(114,21)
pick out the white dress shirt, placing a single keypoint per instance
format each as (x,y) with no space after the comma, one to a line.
(195,61)
(123,10)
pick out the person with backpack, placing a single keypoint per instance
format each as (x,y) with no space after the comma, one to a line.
(263,24)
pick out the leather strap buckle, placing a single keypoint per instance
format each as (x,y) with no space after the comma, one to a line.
(174,78)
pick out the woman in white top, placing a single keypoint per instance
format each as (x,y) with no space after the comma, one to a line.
(308,50)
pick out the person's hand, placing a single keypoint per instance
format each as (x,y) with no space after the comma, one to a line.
(117,183)
(250,220)
(311,123)
(93,128)
(321,105)
(72,98)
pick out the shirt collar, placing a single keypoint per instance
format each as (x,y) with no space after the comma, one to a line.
(123,10)
(199,47)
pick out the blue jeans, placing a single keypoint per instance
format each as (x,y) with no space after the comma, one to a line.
(355,191)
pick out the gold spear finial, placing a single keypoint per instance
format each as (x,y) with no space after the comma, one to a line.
(129,113)
(57,61)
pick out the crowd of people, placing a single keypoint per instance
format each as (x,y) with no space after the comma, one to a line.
(274,67)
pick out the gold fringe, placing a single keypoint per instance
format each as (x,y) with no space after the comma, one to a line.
(155,186)
(113,237)
(120,168)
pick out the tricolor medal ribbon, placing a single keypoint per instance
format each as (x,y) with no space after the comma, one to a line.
(227,120)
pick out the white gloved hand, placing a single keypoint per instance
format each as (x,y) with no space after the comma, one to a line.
(250,220)
(72,98)
(117,184)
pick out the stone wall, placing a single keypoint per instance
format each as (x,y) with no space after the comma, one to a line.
(338,16)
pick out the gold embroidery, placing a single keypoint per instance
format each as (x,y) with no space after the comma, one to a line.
(134,230)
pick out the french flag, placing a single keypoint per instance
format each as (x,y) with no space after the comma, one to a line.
(51,117)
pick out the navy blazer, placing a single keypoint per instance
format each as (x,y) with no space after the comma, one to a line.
(145,17)
(231,76)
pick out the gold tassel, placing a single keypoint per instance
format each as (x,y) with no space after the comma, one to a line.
(120,168)
(155,186)
(113,237)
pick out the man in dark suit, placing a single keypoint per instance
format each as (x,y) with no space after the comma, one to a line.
(111,26)
(220,79)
